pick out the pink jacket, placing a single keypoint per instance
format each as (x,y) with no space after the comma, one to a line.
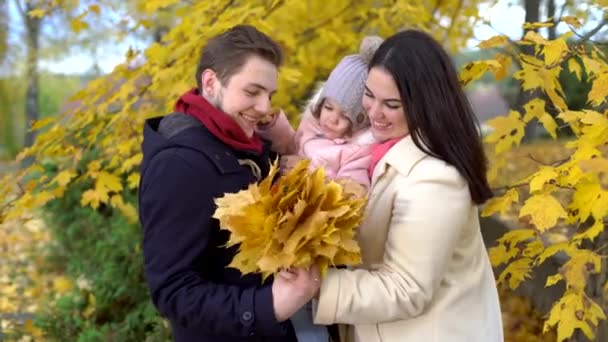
(341,158)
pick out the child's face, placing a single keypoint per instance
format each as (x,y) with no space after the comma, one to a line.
(333,120)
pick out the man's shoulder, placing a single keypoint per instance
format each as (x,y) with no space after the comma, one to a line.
(174,123)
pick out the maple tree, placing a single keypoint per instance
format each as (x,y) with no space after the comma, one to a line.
(567,195)
(93,150)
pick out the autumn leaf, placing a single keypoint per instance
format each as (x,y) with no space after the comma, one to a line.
(572,21)
(494,42)
(592,232)
(543,176)
(599,89)
(555,50)
(508,131)
(574,311)
(575,68)
(582,263)
(544,211)
(62,285)
(37,13)
(299,220)
(78,25)
(516,272)
(501,204)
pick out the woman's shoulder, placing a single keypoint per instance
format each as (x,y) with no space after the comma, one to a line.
(433,169)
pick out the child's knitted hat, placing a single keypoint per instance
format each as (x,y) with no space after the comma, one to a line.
(346,82)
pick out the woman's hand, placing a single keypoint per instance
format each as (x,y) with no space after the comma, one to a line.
(292,289)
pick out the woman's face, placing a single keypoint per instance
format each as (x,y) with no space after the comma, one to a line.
(383,105)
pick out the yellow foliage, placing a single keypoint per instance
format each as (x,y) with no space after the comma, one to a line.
(544,211)
(300,220)
(508,131)
(574,311)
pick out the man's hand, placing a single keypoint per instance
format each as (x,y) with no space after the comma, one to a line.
(292,289)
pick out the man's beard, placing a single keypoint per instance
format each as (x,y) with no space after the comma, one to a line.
(218,100)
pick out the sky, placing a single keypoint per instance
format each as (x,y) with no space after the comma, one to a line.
(505,17)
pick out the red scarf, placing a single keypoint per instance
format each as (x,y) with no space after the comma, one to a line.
(378,151)
(220,124)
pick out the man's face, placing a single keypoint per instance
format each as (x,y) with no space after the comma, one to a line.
(246,95)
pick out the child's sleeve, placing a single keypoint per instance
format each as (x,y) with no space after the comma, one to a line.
(354,165)
(280,133)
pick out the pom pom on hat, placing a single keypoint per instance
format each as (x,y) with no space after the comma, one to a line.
(368,47)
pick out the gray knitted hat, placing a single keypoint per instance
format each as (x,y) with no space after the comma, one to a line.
(346,82)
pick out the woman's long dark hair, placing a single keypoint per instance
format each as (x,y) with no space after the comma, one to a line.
(439,115)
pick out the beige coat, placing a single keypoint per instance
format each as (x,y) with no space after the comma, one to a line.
(426,275)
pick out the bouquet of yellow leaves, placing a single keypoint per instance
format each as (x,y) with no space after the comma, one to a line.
(300,220)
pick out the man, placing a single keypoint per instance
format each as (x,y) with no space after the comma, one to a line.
(205,149)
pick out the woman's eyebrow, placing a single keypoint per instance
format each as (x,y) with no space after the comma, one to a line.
(385,100)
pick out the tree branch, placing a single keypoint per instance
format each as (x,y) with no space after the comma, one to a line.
(581,41)
(454,15)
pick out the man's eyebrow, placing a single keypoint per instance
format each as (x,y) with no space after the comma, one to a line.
(257,85)
(385,100)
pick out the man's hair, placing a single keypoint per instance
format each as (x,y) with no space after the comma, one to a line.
(227,52)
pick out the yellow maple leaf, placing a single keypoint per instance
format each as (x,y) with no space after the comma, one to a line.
(473,71)
(95,9)
(64,177)
(599,89)
(108,181)
(501,204)
(544,175)
(508,131)
(544,211)
(572,21)
(575,68)
(38,124)
(584,199)
(582,263)
(505,64)
(534,37)
(78,25)
(62,285)
(516,272)
(534,109)
(494,42)
(299,220)
(555,50)
(37,13)
(592,232)
(133,180)
(574,311)
(93,197)
(554,279)
(153,6)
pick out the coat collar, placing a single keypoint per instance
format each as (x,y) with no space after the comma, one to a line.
(402,157)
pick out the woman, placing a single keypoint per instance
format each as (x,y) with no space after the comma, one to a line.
(425,274)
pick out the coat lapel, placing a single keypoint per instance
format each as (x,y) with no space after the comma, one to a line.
(403,156)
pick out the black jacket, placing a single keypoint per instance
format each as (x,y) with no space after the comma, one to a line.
(184,168)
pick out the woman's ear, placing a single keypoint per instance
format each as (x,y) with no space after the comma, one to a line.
(209,83)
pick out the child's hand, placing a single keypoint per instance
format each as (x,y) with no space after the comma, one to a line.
(270,118)
(288,162)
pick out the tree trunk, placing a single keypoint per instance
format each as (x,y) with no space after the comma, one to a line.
(32,106)
(551,15)
(532,8)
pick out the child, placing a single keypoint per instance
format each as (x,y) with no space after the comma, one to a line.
(333,133)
